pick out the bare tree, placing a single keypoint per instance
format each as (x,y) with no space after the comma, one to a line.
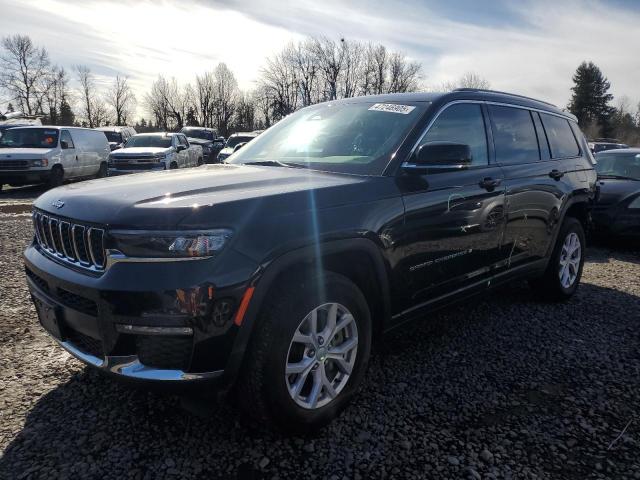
(157,104)
(94,109)
(226,93)
(204,98)
(245,117)
(279,83)
(121,99)
(352,57)
(24,72)
(304,61)
(330,62)
(468,80)
(403,75)
(380,62)
(56,97)
(169,103)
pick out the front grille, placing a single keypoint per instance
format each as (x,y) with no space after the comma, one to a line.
(14,164)
(125,165)
(164,352)
(76,302)
(85,343)
(80,245)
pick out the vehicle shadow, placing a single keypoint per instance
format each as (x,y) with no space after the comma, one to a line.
(488,368)
(28,192)
(603,250)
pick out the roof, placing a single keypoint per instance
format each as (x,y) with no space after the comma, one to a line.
(245,134)
(619,151)
(462,94)
(112,128)
(158,134)
(53,127)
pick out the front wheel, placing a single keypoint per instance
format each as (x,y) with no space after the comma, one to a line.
(102,172)
(308,354)
(562,276)
(57,176)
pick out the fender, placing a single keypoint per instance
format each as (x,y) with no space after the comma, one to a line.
(265,275)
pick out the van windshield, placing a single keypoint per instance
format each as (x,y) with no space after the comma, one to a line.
(29,138)
(159,141)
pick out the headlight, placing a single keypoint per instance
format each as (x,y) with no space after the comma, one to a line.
(43,162)
(635,203)
(171,244)
(161,156)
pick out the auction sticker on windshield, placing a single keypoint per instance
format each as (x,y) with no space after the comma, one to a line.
(392,107)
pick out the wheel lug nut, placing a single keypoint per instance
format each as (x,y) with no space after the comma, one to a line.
(315,367)
(312,352)
(320,340)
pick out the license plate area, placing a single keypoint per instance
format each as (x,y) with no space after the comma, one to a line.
(48,315)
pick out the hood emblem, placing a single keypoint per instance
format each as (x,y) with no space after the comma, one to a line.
(58,204)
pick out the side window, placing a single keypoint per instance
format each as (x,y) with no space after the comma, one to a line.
(65,136)
(184,141)
(561,139)
(461,123)
(514,135)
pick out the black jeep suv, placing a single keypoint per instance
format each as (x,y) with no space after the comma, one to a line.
(275,272)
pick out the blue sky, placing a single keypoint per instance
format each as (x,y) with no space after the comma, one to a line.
(529,47)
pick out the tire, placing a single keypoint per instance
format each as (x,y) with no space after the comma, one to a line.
(103,171)
(173,166)
(264,390)
(200,161)
(57,176)
(552,285)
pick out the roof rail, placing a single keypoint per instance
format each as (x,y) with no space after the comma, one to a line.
(502,93)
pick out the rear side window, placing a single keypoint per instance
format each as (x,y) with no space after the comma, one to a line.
(461,123)
(561,139)
(514,135)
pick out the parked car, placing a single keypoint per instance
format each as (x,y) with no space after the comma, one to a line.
(234,143)
(208,139)
(117,136)
(602,144)
(275,272)
(32,155)
(617,211)
(154,151)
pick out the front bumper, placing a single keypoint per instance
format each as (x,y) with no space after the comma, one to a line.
(104,320)
(24,177)
(114,172)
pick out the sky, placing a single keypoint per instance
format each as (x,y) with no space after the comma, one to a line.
(528,47)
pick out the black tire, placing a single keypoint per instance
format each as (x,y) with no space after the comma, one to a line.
(262,388)
(200,161)
(173,166)
(103,171)
(549,285)
(57,176)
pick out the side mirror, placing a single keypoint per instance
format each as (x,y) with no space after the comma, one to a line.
(441,156)
(64,145)
(180,148)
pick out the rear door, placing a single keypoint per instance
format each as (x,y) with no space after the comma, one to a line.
(453,219)
(533,196)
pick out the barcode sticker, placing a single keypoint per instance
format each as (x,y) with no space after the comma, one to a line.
(392,107)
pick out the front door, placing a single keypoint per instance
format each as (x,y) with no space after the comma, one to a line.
(71,156)
(453,219)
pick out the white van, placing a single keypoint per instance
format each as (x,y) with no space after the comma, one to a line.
(51,155)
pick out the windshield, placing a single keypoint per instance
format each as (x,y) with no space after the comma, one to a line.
(198,133)
(619,165)
(29,138)
(149,141)
(233,141)
(343,137)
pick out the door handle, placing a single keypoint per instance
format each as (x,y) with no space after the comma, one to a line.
(490,183)
(556,174)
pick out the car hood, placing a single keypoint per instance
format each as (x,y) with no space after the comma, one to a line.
(21,153)
(613,190)
(198,197)
(227,151)
(140,150)
(199,141)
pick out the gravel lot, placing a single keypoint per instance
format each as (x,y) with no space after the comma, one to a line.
(506,387)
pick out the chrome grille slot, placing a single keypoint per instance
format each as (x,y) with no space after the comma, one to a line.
(74,243)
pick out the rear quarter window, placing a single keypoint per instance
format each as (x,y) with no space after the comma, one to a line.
(561,139)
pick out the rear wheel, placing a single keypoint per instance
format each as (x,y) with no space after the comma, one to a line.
(200,161)
(308,354)
(562,277)
(57,176)
(173,165)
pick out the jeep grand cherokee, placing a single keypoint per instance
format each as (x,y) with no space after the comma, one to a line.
(275,272)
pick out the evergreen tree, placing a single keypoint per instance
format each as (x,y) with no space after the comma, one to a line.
(590,99)
(66,116)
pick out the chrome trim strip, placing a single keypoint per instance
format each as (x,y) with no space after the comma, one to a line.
(116,256)
(150,330)
(92,255)
(129,366)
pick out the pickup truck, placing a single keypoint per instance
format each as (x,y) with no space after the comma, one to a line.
(154,151)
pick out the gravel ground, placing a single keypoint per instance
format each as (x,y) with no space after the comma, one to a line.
(506,387)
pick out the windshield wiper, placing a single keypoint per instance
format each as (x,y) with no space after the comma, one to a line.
(618,177)
(275,163)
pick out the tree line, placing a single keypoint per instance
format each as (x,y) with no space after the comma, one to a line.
(303,73)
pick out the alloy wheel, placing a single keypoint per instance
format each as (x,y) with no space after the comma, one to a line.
(570,257)
(321,355)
